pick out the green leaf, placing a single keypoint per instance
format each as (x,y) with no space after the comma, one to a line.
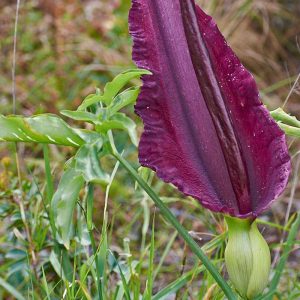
(289,124)
(63,202)
(44,128)
(125,98)
(290,130)
(281,116)
(112,88)
(80,116)
(120,121)
(87,162)
(88,136)
(90,100)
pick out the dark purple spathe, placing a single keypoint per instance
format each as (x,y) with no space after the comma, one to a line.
(206,130)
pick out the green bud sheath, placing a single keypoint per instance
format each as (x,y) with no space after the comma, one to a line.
(247,257)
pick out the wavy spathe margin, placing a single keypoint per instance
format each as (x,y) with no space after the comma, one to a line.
(206,130)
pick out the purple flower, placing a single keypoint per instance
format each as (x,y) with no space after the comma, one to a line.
(206,131)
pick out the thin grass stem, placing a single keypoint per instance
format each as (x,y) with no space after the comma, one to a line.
(14,57)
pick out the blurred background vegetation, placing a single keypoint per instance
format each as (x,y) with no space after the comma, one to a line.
(66,48)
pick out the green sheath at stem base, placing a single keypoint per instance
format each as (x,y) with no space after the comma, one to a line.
(247,257)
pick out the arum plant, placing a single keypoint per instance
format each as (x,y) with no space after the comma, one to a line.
(206,130)
(84,168)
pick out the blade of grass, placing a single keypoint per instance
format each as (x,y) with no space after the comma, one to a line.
(53,288)
(271,224)
(126,245)
(104,244)
(84,290)
(124,283)
(149,284)
(49,188)
(145,227)
(90,194)
(214,243)
(89,206)
(59,251)
(88,270)
(176,285)
(172,220)
(291,91)
(61,264)
(74,273)
(165,253)
(278,85)
(287,220)
(10,289)
(146,222)
(282,261)
(45,284)
(15,57)
(49,181)
(31,278)
(102,256)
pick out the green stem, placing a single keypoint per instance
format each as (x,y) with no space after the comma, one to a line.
(181,230)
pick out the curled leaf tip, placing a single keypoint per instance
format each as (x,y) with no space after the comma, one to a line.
(205,128)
